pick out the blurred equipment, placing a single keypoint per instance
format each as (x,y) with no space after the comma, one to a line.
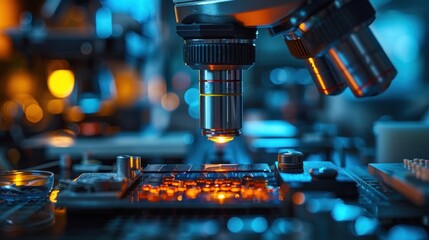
(99,65)
(333,37)
(127,166)
(290,161)
(93,56)
(409,178)
(396,140)
(318,176)
(175,186)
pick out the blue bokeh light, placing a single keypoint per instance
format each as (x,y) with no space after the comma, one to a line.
(281,226)
(107,84)
(209,228)
(235,224)
(344,212)
(103,22)
(365,225)
(90,104)
(192,96)
(400,232)
(259,224)
(194,111)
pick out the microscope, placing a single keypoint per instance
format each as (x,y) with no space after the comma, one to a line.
(331,36)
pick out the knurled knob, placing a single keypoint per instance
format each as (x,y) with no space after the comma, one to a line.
(290,161)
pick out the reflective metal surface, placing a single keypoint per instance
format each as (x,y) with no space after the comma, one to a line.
(126,166)
(258,13)
(214,59)
(221,104)
(332,36)
(325,76)
(363,63)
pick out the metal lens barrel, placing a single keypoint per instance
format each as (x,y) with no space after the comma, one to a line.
(363,63)
(221,104)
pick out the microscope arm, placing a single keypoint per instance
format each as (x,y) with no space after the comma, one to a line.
(247,13)
(331,36)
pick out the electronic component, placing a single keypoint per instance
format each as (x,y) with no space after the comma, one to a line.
(408,178)
(178,186)
(127,166)
(227,184)
(380,200)
(342,185)
(290,161)
(247,199)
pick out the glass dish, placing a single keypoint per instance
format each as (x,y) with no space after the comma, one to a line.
(20,185)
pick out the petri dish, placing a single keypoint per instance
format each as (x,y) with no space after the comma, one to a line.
(18,185)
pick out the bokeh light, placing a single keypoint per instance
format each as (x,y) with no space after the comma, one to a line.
(74,114)
(9,110)
(181,81)
(156,89)
(34,113)
(128,86)
(170,101)
(55,106)
(20,82)
(61,83)
(235,224)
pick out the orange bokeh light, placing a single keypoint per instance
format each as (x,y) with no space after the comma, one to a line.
(170,101)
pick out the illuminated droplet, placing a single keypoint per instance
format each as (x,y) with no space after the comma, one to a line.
(221,139)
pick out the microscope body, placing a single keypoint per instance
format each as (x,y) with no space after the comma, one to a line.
(331,36)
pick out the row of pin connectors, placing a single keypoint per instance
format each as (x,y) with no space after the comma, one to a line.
(418,167)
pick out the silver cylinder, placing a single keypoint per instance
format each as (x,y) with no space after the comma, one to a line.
(127,165)
(363,63)
(325,76)
(221,104)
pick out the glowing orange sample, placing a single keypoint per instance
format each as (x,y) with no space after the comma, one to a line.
(146,187)
(235,188)
(221,139)
(225,187)
(177,183)
(192,193)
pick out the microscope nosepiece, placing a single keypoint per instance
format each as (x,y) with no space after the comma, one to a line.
(339,48)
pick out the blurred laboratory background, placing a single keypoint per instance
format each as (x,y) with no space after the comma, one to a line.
(83,82)
(77,75)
